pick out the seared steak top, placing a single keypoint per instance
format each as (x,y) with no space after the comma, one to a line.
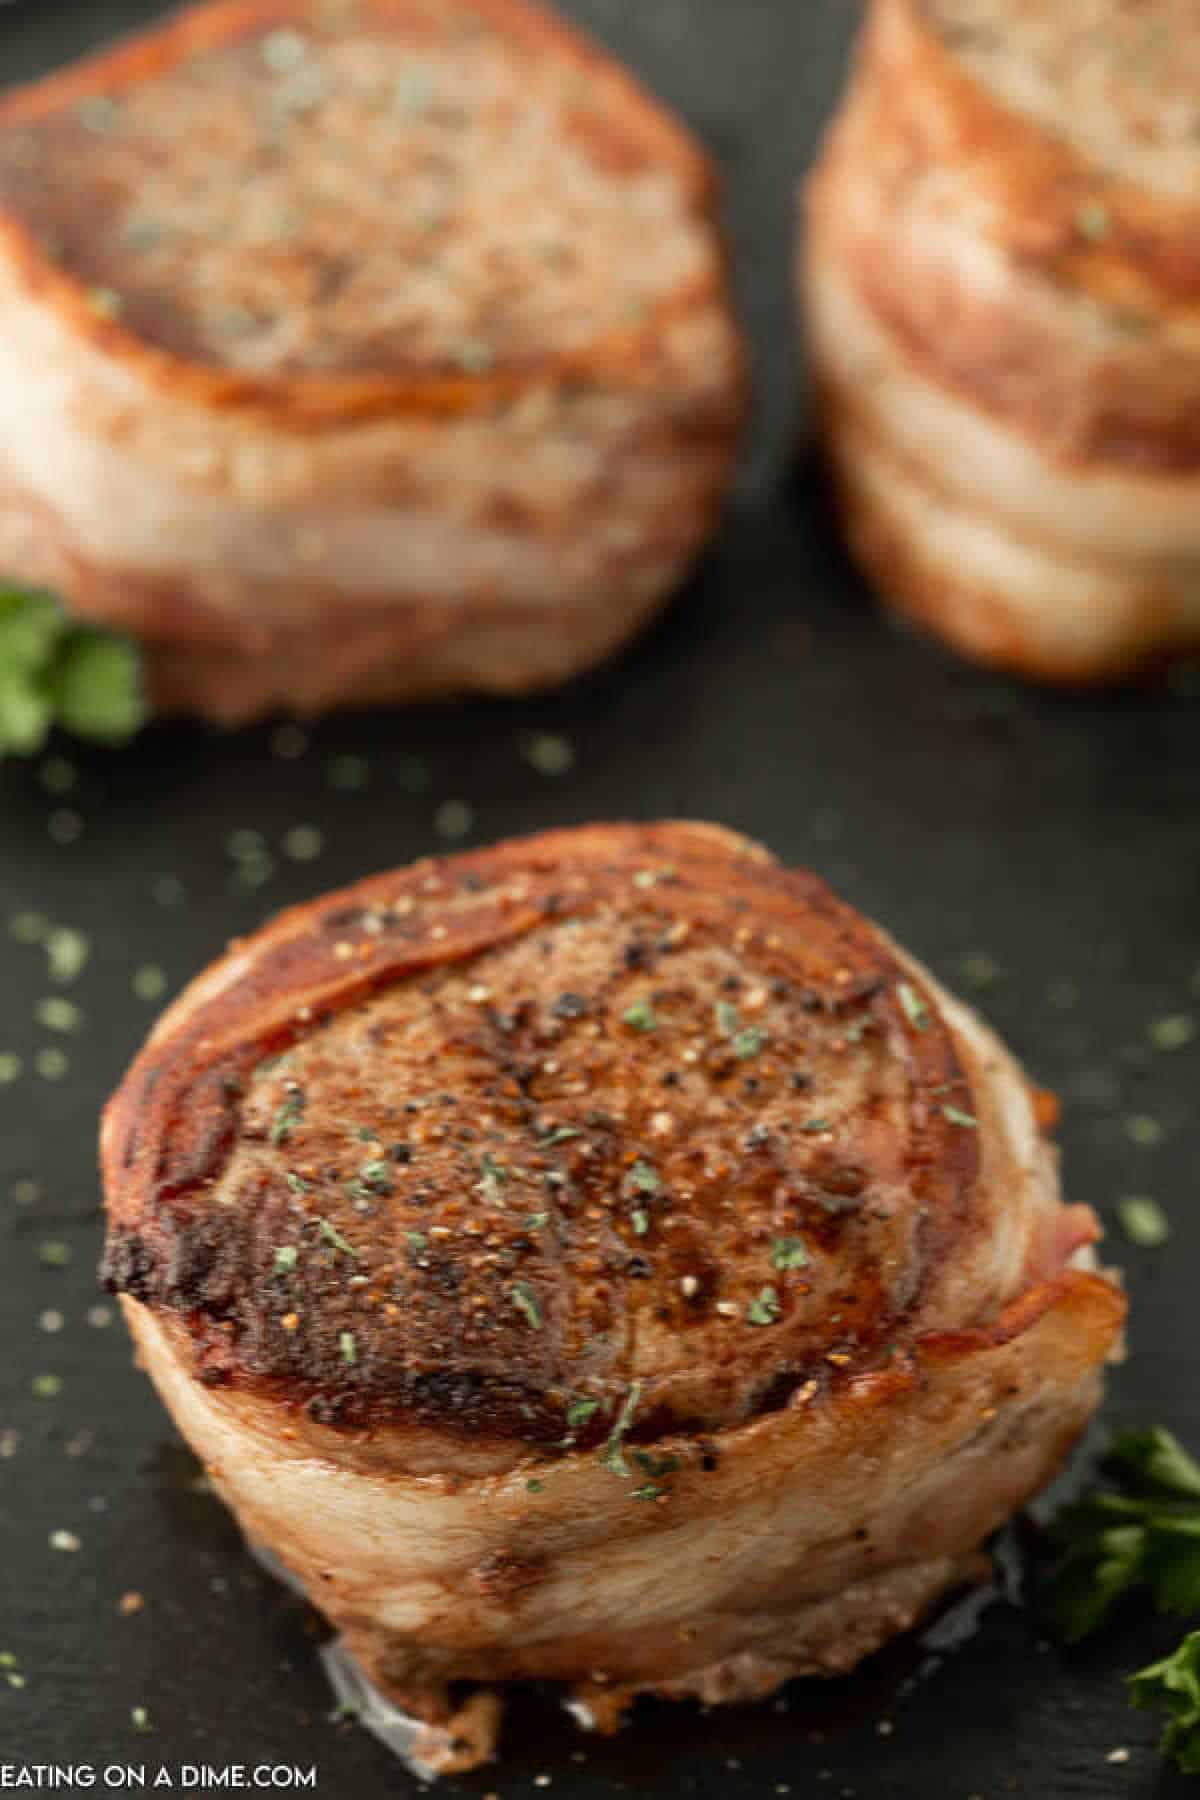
(360,187)
(502,1141)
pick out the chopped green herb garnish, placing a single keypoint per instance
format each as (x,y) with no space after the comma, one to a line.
(348,1347)
(580,1411)
(641,1221)
(418,1243)
(1093,220)
(562,1134)
(641,1016)
(535,1487)
(789,1253)
(815,1125)
(335,1238)
(537,1221)
(287,1117)
(727,1018)
(764,1309)
(376,1178)
(297,1183)
(1143,1221)
(644,1179)
(956,1116)
(525,1301)
(749,1042)
(286,1258)
(492,1175)
(613,1455)
(914,1006)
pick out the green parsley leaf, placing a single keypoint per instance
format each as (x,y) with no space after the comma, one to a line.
(1141,1533)
(789,1253)
(966,1120)
(749,1042)
(641,1221)
(641,1016)
(1175,1684)
(286,1258)
(348,1347)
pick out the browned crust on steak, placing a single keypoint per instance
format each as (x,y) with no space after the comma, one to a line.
(637,132)
(573,1202)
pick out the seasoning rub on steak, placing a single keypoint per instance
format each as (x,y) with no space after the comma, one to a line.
(605,1259)
(355,350)
(1001,275)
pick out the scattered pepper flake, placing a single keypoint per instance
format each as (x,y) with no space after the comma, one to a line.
(130,1603)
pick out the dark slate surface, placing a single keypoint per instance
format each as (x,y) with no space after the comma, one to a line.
(1056,836)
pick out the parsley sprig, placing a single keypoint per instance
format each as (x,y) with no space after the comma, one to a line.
(1142,1532)
(56,671)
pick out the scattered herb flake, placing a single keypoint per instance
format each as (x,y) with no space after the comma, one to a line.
(286,1258)
(641,1221)
(813,1126)
(764,1309)
(914,1006)
(1174,1032)
(287,1117)
(580,1411)
(525,1301)
(1143,1221)
(348,1347)
(749,1043)
(613,1456)
(727,1018)
(549,754)
(334,1238)
(1093,220)
(956,1116)
(644,1179)
(640,1016)
(537,1221)
(789,1253)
